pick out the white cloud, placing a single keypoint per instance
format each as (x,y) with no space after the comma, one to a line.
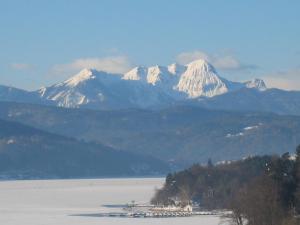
(288,80)
(187,57)
(21,66)
(222,62)
(227,62)
(113,64)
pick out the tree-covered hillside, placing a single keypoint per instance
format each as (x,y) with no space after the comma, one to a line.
(261,190)
(181,135)
(27,152)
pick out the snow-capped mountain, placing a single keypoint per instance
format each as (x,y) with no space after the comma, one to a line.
(137,73)
(154,75)
(258,84)
(82,89)
(162,78)
(196,79)
(201,79)
(101,90)
(141,87)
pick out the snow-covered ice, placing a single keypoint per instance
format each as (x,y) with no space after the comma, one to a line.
(55,202)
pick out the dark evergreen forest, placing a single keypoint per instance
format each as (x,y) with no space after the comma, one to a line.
(260,190)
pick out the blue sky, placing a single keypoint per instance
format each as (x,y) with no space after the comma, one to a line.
(42,42)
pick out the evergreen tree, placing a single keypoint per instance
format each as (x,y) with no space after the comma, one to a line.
(297,174)
(210,163)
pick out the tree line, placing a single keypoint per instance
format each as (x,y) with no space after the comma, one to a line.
(259,190)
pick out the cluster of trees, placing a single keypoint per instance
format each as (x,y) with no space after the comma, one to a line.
(260,190)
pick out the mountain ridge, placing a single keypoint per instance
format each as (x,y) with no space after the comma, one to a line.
(30,153)
(179,135)
(157,87)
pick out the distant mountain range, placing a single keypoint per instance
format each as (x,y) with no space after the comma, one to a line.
(178,135)
(196,83)
(142,122)
(142,87)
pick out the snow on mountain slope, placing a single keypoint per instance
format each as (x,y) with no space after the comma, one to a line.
(142,86)
(159,86)
(201,79)
(154,75)
(258,84)
(84,75)
(164,79)
(101,90)
(137,73)
(158,74)
(84,88)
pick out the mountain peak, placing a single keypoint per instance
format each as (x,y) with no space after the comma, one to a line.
(202,65)
(156,73)
(83,75)
(256,83)
(201,79)
(137,73)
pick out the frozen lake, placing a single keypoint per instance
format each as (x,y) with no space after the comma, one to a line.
(55,202)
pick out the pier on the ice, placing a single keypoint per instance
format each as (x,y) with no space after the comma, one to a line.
(158,214)
(133,210)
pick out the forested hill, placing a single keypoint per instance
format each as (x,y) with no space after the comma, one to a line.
(182,135)
(27,152)
(261,190)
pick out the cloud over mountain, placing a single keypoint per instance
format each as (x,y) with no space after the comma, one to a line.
(220,61)
(110,64)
